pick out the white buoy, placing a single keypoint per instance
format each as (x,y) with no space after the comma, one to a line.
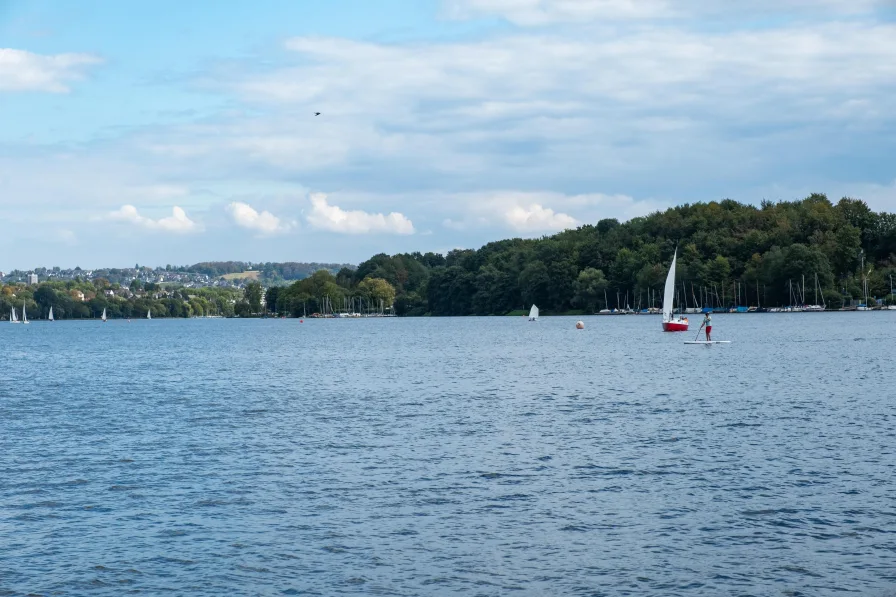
(580,325)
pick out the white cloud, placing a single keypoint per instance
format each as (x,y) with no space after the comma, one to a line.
(543,12)
(25,71)
(538,12)
(264,222)
(534,217)
(335,219)
(177,222)
(540,212)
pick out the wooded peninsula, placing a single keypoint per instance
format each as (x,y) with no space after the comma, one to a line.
(729,254)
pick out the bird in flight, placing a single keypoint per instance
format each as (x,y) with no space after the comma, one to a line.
(317,113)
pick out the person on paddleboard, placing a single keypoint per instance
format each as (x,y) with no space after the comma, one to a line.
(707,323)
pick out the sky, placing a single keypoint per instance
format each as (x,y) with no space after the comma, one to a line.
(170,132)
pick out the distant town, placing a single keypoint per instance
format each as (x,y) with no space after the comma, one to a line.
(229,274)
(212,289)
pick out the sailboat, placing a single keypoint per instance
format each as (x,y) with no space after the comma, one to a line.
(24,315)
(50,317)
(816,306)
(891,307)
(533,313)
(104,315)
(148,314)
(671,323)
(12,316)
(864,306)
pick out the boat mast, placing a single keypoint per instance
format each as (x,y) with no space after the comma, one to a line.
(864,280)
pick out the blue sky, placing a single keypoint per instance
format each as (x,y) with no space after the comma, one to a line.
(167,133)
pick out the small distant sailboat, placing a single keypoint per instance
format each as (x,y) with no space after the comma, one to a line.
(13,318)
(148,314)
(50,317)
(671,323)
(533,313)
(24,315)
(104,315)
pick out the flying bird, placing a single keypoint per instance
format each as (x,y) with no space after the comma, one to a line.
(317,113)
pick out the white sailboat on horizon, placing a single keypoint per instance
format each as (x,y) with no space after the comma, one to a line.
(24,315)
(13,318)
(148,314)
(104,315)
(50,317)
(533,313)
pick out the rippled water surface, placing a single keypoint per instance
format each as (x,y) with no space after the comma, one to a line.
(475,456)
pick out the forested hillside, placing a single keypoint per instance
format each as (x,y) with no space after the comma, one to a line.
(720,245)
(269,272)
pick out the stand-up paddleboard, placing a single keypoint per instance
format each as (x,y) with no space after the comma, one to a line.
(707,342)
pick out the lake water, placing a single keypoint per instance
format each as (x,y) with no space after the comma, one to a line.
(474,456)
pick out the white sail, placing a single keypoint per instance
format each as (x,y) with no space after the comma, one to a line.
(104,314)
(51,314)
(148,314)
(13,318)
(669,293)
(24,315)
(533,313)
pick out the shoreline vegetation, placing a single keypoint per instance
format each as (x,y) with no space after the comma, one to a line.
(732,257)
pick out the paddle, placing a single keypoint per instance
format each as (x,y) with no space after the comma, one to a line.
(698,332)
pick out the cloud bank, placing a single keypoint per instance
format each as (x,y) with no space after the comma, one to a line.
(568,112)
(25,71)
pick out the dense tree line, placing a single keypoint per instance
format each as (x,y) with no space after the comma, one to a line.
(725,250)
(323,292)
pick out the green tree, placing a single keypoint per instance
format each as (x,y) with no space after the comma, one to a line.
(408,305)
(270,298)
(590,287)
(535,284)
(377,292)
(253,296)
(243,309)
(847,246)
(718,271)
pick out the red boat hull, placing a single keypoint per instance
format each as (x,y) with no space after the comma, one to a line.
(675,326)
